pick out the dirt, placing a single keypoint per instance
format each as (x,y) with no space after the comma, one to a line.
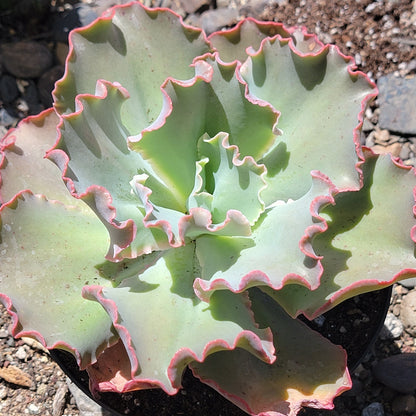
(381,35)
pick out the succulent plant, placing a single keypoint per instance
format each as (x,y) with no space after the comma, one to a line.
(187,197)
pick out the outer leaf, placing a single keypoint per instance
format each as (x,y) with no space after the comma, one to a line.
(317,133)
(182,328)
(23,153)
(278,251)
(232,44)
(35,232)
(92,154)
(308,373)
(112,49)
(370,242)
(39,236)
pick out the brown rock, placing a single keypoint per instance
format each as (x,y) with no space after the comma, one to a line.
(16,376)
(47,82)
(397,372)
(26,59)
(382,136)
(394,149)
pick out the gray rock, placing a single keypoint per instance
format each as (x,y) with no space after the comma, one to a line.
(59,400)
(397,99)
(409,283)
(213,20)
(191,6)
(397,372)
(408,312)
(373,409)
(86,406)
(26,59)
(8,89)
(6,119)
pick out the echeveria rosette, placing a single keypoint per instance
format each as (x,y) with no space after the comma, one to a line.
(195,197)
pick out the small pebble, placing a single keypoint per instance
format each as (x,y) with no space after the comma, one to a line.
(3,392)
(393,327)
(21,353)
(373,409)
(33,409)
(320,320)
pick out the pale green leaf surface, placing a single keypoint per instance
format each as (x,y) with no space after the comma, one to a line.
(227,183)
(222,183)
(48,252)
(24,157)
(232,44)
(272,255)
(138,47)
(305,372)
(217,106)
(95,141)
(368,242)
(320,104)
(164,325)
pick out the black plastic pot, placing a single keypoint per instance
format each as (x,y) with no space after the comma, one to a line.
(355,324)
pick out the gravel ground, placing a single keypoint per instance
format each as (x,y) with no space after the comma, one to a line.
(379,34)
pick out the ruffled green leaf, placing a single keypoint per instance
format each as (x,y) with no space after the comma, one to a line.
(278,251)
(48,252)
(232,44)
(24,150)
(136,46)
(92,152)
(225,182)
(370,241)
(182,328)
(317,132)
(215,102)
(309,370)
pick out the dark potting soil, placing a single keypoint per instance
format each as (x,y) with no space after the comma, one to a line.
(354,324)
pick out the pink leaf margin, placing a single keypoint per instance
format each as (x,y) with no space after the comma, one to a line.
(365,285)
(183,355)
(122,233)
(17,329)
(315,48)
(204,289)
